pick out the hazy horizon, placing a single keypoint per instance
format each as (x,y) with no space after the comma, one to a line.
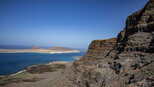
(2,46)
(67,23)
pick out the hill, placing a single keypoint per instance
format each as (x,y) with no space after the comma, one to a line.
(127,61)
(60,48)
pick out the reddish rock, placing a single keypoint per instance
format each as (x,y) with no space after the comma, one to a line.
(60,48)
(35,47)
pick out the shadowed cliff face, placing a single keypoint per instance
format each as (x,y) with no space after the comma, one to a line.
(138,33)
(127,61)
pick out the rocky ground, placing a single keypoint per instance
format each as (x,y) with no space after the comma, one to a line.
(125,61)
(45,75)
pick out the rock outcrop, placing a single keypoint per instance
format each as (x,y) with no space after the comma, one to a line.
(127,61)
(98,48)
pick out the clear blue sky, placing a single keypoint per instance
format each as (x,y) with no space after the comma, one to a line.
(70,23)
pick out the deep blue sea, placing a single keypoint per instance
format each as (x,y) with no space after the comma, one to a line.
(13,62)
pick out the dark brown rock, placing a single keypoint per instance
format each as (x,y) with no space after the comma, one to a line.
(98,48)
(127,61)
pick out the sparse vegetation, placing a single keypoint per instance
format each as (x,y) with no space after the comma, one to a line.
(38,69)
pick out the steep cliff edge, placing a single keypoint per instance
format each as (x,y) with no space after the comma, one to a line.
(127,61)
(98,48)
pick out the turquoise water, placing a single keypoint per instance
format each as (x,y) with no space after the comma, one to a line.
(13,62)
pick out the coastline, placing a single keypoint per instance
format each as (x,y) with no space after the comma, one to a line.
(50,63)
(37,51)
(78,57)
(44,73)
(25,76)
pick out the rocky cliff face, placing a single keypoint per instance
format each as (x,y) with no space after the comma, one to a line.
(127,61)
(98,48)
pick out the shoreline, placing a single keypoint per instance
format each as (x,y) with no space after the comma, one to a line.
(53,62)
(32,76)
(50,63)
(78,57)
(37,51)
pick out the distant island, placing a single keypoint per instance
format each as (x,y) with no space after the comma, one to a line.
(60,48)
(36,49)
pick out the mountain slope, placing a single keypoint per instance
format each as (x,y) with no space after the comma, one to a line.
(127,61)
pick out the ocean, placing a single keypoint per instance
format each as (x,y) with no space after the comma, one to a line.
(11,63)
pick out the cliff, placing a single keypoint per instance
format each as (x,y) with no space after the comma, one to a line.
(127,61)
(98,48)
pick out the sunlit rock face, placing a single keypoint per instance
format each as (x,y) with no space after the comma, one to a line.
(97,50)
(125,61)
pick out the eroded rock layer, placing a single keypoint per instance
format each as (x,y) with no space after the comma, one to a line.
(127,61)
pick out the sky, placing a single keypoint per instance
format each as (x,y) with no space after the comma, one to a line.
(69,23)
